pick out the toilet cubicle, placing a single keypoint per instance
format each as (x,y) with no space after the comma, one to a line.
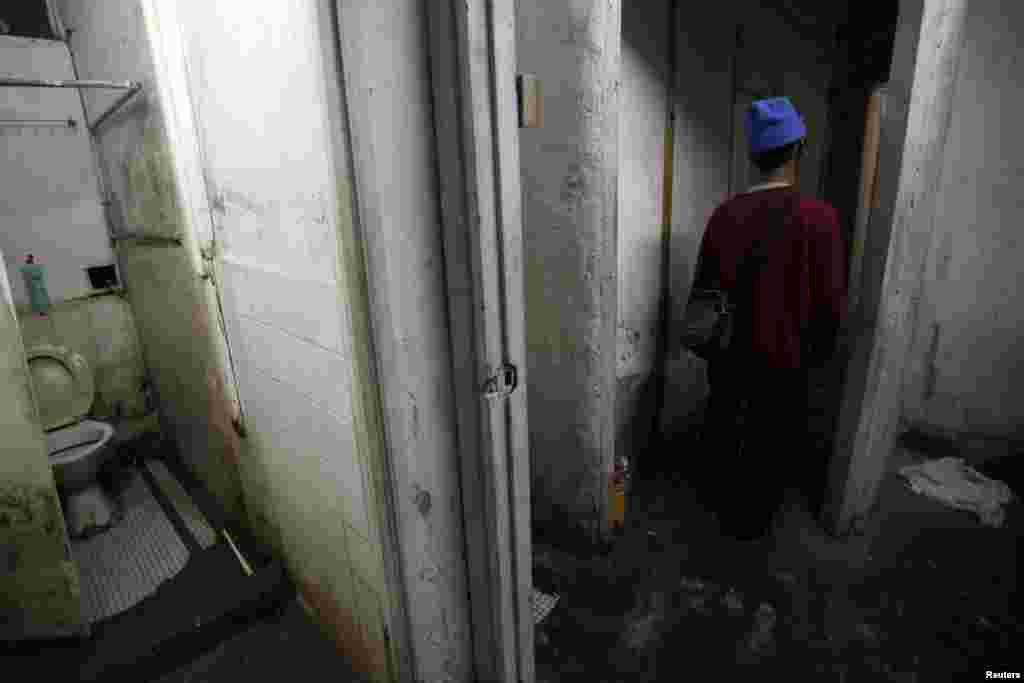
(230,579)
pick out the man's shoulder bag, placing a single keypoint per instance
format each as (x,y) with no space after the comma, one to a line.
(709,321)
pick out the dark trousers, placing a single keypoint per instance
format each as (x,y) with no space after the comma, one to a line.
(756,442)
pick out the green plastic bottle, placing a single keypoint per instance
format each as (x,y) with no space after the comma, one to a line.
(35,283)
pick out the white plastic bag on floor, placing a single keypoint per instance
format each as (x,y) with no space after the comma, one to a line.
(959,485)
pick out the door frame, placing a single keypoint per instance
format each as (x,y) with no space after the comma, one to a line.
(481,628)
(475,124)
(476,117)
(915,126)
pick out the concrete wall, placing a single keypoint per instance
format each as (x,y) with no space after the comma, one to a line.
(966,370)
(642,147)
(175,311)
(39,590)
(49,199)
(570,185)
(704,133)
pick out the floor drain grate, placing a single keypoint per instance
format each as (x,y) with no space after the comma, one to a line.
(542,605)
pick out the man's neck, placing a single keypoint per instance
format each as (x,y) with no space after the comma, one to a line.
(779,177)
(787,174)
(771,184)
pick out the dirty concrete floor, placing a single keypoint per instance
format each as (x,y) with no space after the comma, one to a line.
(926,594)
(270,651)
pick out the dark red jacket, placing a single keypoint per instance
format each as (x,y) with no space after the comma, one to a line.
(800,290)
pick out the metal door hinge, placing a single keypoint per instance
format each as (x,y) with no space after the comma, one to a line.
(501,383)
(207,253)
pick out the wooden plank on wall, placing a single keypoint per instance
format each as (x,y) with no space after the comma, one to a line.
(914,134)
(868,194)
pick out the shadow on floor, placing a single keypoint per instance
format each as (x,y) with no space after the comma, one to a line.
(927,593)
(275,649)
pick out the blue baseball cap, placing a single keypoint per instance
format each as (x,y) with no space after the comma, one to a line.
(773,123)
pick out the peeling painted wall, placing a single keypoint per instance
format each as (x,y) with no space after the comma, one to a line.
(39,589)
(211,152)
(174,310)
(49,199)
(966,370)
(177,334)
(277,208)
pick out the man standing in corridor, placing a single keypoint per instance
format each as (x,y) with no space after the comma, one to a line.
(789,309)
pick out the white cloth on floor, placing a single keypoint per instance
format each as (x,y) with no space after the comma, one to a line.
(959,485)
(542,604)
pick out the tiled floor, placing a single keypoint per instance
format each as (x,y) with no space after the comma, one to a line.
(121,566)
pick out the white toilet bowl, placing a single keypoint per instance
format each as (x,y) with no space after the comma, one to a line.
(77,452)
(77,447)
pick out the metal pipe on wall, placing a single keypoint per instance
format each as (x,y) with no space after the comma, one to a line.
(18,82)
(133,87)
(97,159)
(115,107)
(38,123)
(867,195)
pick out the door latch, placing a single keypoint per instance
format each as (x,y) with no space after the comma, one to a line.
(501,383)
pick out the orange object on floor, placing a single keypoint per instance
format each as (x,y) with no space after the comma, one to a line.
(617,508)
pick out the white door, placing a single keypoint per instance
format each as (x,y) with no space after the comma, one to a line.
(246,90)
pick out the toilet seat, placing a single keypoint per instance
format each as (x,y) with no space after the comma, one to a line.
(63,383)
